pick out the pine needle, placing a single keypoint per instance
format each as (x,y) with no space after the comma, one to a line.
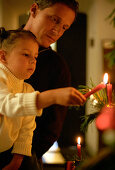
(87,119)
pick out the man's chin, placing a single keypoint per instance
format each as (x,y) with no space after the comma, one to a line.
(46,45)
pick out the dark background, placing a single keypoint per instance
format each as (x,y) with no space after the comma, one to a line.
(72,46)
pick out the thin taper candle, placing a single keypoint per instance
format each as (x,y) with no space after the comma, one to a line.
(79,148)
(94,90)
(100,86)
(109,93)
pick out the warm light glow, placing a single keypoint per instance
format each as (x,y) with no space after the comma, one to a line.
(93,100)
(79,140)
(105,78)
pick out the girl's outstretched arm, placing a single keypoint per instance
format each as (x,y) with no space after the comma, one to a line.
(67,96)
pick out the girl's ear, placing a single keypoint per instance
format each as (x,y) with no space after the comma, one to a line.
(2,56)
(34,9)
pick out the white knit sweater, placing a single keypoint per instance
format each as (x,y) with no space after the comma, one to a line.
(17,113)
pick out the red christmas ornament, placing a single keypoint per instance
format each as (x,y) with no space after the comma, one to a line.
(106,118)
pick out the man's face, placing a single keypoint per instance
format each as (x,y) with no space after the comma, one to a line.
(50,23)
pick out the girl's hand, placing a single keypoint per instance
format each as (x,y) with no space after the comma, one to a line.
(69,96)
(63,96)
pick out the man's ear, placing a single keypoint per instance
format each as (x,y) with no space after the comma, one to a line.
(34,9)
(2,56)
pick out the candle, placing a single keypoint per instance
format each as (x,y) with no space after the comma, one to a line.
(109,93)
(79,147)
(98,87)
(94,90)
(70,165)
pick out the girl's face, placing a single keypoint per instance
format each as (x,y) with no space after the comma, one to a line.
(21,59)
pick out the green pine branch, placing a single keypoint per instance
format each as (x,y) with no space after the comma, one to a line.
(87,119)
(97,101)
(111,58)
(111,17)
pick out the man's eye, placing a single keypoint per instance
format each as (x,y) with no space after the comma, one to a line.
(26,54)
(54,19)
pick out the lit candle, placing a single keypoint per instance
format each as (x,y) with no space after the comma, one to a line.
(79,147)
(109,93)
(70,165)
(98,87)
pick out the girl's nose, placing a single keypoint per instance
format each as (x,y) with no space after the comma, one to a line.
(33,60)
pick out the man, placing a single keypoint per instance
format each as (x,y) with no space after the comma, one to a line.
(48,20)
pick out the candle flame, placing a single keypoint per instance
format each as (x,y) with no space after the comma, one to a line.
(79,140)
(105,78)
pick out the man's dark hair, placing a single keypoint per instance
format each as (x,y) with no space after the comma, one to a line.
(73,4)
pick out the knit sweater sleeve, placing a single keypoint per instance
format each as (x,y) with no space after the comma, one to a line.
(23,143)
(17,104)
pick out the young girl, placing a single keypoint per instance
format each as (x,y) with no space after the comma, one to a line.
(19,103)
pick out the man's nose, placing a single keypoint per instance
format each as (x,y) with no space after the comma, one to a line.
(57,30)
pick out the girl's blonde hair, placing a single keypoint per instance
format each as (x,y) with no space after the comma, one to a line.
(9,38)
